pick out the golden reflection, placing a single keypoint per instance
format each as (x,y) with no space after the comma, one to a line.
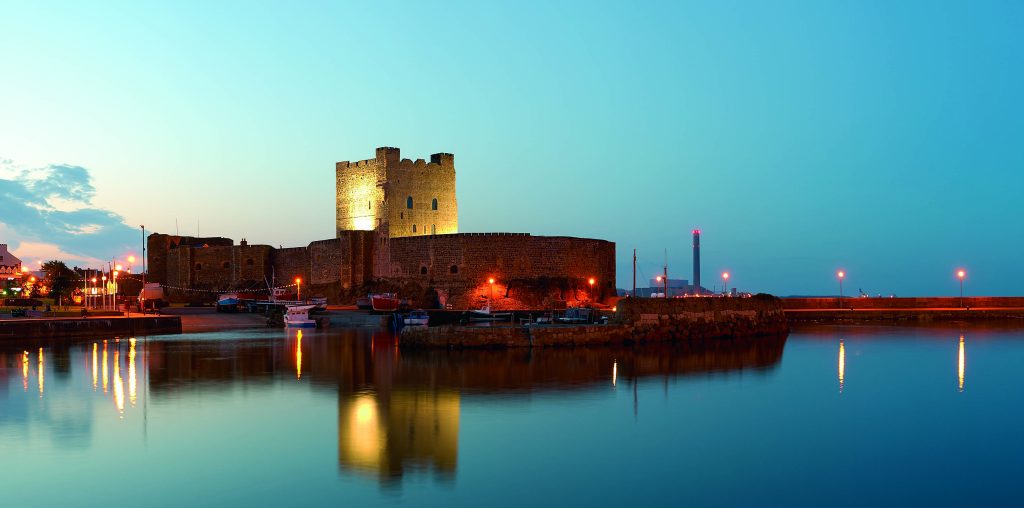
(95,373)
(131,371)
(298,357)
(842,364)
(40,373)
(118,384)
(24,370)
(960,363)
(105,373)
(615,372)
(386,435)
(364,442)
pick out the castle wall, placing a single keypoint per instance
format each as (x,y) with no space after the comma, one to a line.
(159,249)
(529,271)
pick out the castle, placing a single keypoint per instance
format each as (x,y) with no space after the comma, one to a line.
(397,229)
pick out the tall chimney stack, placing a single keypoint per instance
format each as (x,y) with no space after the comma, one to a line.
(696,261)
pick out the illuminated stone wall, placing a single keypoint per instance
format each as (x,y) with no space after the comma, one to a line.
(376,194)
(529,271)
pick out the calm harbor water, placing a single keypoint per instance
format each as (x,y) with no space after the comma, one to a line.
(828,416)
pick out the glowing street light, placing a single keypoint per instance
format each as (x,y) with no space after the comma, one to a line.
(491,282)
(725,279)
(961,274)
(842,275)
(298,291)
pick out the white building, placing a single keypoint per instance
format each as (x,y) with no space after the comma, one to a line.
(10,265)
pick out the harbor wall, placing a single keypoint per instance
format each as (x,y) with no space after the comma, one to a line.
(636,321)
(940,302)
(89,327)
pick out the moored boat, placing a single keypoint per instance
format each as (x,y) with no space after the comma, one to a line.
(227,302)
(385,302)
(416,318)
(297,316)
(364,302)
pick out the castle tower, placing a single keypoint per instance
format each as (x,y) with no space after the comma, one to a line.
(397,197)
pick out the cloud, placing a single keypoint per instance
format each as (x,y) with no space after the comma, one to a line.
(52,206)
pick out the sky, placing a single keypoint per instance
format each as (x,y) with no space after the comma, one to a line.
(882,138)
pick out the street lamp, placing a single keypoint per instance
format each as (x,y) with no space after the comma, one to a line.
(298,291)
(841,275)
(664,282)
(961,274)
(725,280)
(491,297)
(591,282)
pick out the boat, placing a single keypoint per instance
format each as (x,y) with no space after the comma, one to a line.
(484,314)
(416,318)
(297,316)
(364,302)
(227,302)
(385,302)
(319,301)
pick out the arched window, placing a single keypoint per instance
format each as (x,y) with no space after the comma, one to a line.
(433,229)
(423,270)
(454,269)
(199,266)
(408,202)
(433,204)
(413,228)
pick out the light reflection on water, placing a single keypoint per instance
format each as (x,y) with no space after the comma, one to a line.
(345,414)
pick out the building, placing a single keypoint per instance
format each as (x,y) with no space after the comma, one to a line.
(10,265)
(398,197)
(397,229)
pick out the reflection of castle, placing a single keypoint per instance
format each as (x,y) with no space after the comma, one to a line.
(397,223)
(385,435)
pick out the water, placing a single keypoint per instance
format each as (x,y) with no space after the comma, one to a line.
(830,416)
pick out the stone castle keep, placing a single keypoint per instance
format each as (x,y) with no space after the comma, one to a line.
(397,230)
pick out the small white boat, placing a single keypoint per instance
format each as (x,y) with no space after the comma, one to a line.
(416,318)
(485,314)
(297,316)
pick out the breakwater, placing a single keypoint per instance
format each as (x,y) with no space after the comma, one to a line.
(902,303)
(89,327)
(636,321)
(903,310)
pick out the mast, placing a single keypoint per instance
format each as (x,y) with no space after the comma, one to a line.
(633,294)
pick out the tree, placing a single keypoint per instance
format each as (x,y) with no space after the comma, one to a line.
(59,278)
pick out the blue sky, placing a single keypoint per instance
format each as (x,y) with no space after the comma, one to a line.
(879,137)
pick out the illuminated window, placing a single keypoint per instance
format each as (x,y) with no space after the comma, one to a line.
(433,229)
(433,204)
(408,202)
(454,269)
(413,228)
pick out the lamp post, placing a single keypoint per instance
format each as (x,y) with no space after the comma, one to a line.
(841,275)
(104,279)
(725,281)
(298,291)
(591,282)
(490,281)
(960,274)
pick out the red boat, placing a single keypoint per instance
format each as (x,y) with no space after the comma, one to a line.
(385,302)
